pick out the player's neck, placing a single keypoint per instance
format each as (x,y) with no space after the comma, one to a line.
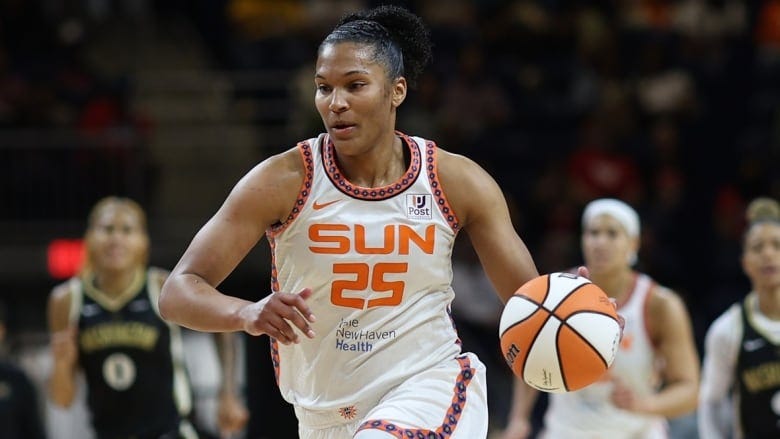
(380,167)
(616,284)
(769,303)
(114,283)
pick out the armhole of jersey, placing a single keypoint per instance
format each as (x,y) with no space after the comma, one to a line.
(305,149)
(646,312)
(432,172)
(748,311)
(76,300)
(182,392)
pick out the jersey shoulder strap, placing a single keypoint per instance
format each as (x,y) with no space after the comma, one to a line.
(76,299)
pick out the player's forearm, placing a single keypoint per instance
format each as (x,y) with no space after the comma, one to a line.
(226,350)
(675,400)
(61,386)
(523,400)
(189,301)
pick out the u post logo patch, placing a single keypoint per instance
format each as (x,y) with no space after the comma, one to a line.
(418,206)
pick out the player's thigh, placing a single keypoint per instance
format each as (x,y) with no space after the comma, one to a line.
(450,399)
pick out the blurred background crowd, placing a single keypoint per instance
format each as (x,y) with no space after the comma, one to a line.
(670,105)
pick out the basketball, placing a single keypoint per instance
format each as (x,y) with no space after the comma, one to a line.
(559,332)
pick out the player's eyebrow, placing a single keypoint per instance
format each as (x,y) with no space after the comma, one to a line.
(349,73)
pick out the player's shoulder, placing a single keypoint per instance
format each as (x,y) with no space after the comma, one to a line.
(64,299)
(461,172)
(63,290)
(289,159)
(731,315)
(448,159)
(663,293)
(726,325)
(461,179)
(284,168)
(665,301)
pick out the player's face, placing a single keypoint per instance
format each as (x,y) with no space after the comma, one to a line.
(606,246)
(117,240)
(354,96)
(761,256)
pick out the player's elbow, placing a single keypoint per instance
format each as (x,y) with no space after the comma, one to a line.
(167,300)
(689,400)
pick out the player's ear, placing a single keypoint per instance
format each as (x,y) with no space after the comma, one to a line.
(399,91)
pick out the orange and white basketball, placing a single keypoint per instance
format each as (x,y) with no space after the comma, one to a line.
(559,332)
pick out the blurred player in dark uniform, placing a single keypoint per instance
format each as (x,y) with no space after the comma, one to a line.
(106,322)
(740,384)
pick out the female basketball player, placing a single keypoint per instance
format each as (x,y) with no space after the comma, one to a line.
(106,322)
(361,222)
(655,374)
(740,390)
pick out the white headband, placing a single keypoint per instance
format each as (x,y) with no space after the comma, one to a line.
(617,209)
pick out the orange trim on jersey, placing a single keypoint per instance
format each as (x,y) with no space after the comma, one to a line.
(274,287)
(274,271)
(451,418)
(275,358)
(308,163)
(432,170)
(628,340)
(336,176)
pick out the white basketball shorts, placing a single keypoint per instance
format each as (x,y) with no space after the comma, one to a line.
(447,401)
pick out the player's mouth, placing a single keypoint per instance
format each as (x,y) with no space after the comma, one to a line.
(342,129)
(770,270)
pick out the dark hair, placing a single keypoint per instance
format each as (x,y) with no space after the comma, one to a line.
(762,210)
(400,39)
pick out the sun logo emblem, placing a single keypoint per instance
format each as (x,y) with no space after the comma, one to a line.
(348,412)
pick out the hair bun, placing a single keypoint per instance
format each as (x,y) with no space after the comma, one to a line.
(763,209)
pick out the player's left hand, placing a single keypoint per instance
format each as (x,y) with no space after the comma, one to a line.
(624,398)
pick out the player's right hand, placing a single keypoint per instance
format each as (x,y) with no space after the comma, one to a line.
(274,315)
(64,348)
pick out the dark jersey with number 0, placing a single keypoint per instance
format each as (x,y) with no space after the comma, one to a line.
(758,378)
(137,385)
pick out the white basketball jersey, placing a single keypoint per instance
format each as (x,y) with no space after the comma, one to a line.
(378,262)
(588,413)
